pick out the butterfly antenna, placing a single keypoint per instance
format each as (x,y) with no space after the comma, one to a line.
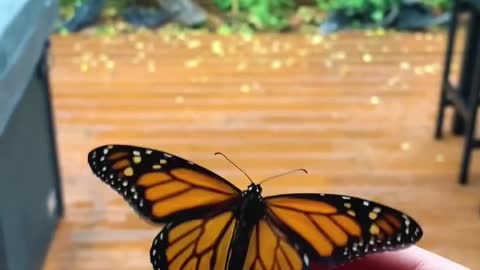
(282,174)
(218,153)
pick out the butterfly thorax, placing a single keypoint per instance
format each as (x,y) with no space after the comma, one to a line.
(252,207)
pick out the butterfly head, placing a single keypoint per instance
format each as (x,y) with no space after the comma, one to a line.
(253,193)
(254,188)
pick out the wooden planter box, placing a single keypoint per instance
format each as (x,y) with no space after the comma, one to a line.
(30,192)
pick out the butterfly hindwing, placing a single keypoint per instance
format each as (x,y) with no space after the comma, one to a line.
(334,229)
(161,186)
(198,244)
(270,249)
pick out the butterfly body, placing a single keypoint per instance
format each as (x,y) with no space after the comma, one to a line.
(250,211)
(251,206)
(209,224)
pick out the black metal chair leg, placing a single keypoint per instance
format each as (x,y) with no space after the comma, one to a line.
(467,74)
(467,150)
(473,99)
(446,72)
(469,145)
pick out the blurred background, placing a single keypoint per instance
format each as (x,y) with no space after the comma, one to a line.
(375,98)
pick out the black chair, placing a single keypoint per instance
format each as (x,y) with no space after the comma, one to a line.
(464,98)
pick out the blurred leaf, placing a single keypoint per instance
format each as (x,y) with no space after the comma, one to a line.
(262,14)
(377,15)
(224,30)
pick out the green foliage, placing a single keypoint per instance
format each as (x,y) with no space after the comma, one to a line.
(70,3)
(373,11)
(112,7)
(439,4)
(111,3)
(270,14)
(263,14)
(376,10)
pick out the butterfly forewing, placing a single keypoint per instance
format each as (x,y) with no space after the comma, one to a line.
(334,229)
(160,186)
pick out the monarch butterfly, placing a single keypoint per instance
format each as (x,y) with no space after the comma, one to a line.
(211,224)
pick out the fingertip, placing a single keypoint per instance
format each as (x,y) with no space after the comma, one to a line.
(412,258)
(424,259)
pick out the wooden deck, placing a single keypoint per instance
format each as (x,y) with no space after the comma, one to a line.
(356,110)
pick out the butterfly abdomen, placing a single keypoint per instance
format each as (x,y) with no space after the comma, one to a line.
(239,247)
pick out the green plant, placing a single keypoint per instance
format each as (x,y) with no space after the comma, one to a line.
(111,3)
(441,5)
(112,7)
(369,10)
(271,14)
(373,11)
(263,14)
(70,3)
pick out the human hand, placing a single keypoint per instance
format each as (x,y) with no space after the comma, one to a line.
(413,258)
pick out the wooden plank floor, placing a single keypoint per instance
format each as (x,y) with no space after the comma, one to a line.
(356,110)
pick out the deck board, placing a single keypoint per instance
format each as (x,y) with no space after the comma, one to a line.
(356,110)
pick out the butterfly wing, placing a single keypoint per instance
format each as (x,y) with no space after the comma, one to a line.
(270,249)
(331,229)
(160,186)
(197,244)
